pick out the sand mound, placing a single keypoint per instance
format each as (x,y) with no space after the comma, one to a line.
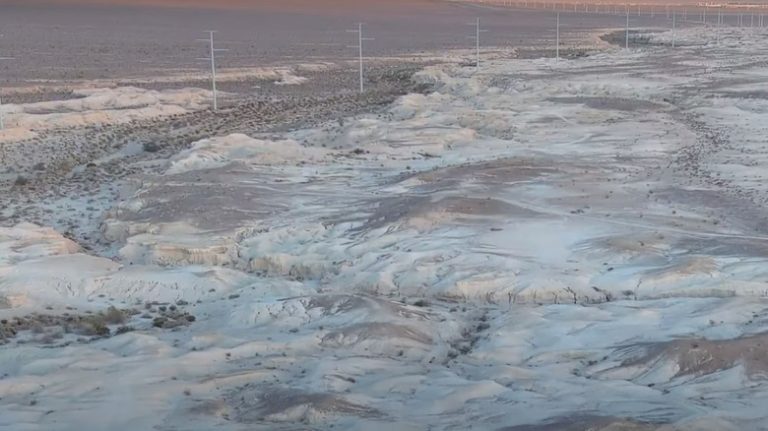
(374,332)
(105,105)
(586,423)
(218,152)
(252,404)
(28,241)
(698,357)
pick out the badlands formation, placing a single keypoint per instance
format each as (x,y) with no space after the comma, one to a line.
(534,245)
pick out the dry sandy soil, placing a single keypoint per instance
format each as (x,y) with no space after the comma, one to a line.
(70,42)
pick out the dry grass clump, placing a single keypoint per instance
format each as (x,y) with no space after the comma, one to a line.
(56,326)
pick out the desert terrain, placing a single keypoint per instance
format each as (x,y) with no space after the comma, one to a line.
(528,243)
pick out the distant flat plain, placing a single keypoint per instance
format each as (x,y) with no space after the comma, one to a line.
(62,41)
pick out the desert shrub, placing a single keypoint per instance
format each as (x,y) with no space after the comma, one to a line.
(113,316)
(151,147)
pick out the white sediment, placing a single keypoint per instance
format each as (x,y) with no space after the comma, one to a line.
(537,243)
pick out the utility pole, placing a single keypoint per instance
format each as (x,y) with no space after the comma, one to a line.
(212,59)
(359,47)
(213,74)
(557,39)
(476,38)
(2,117)
(717,29)
(674,32)
(477,43)
(626,33)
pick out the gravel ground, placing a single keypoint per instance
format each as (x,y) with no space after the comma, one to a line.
(54,180)
(60,178)
(74,43)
